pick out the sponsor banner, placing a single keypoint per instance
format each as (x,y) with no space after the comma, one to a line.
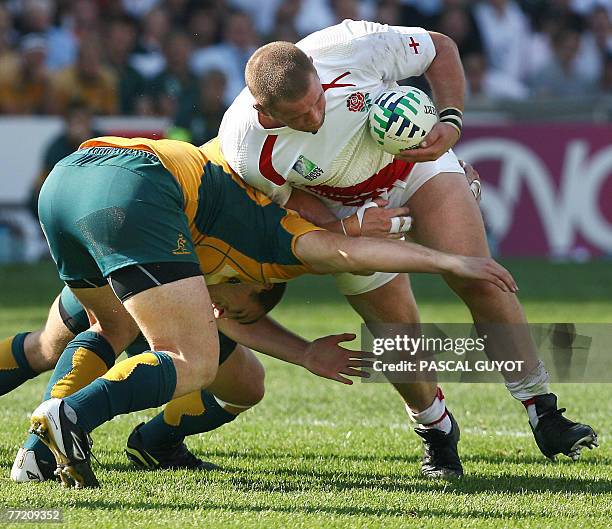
(460,352)
(24,140)
(547,188)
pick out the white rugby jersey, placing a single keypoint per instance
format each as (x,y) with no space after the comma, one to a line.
(356,61)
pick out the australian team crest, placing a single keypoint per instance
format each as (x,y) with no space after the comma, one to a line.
(358,102)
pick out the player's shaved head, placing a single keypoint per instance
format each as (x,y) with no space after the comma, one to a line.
(278,71)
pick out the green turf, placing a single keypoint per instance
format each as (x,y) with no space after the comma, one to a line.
(318,454)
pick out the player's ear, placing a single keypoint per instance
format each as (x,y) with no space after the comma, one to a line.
(267,286)
(260,109)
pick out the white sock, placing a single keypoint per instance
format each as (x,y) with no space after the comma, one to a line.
(436,416)
(532,385)
(531,411)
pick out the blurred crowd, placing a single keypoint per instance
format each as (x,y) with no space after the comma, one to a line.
(184,59)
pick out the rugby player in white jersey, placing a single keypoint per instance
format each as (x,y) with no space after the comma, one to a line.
(301,125)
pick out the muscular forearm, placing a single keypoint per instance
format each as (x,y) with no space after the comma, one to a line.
(445,73)
(311,208)
(314,210)
(268,337)
(327,252)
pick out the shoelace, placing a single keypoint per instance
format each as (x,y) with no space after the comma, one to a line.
(556,418)
(90,443)
(95,458)
(437,447)
(182,454)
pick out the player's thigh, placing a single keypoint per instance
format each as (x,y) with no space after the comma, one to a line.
(177,317)
(446,216)
(111,319)
(240,378)
(391,302)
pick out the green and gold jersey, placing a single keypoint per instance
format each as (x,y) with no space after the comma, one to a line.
(238,232)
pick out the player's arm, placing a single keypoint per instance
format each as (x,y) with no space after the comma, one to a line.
(313,210)
(324,356)
(327,252)
(447,80)
(396,53)
(371,222)
(445,74)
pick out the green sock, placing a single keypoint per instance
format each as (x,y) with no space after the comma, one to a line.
(87,356)
(143,381)
(14,367)
(194,413)
(139,345)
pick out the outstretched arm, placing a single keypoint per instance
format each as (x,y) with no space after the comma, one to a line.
(327,252)
(376,222)
(324,356)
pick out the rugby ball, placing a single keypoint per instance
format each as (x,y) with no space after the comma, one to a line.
(399,119)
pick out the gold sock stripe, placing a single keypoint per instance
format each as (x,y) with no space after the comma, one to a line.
(190,404)
(125,368)
(138,456)
(86,367)
(7,360)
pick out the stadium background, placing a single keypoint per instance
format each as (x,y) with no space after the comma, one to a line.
(316,454)
(539,98)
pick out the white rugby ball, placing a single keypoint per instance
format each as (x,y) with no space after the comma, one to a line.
(399,119)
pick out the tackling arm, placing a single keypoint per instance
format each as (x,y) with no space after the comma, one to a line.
(376,222)
(313,210)
(327,252)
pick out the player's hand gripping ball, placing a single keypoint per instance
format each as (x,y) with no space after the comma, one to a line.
(400,118)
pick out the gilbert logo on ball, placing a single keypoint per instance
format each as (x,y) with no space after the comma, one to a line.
(400,118)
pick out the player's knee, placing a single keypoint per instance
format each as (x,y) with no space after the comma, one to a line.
(204,368)
(206,374)
(119,333)
(49,354)
(473,289)
(42,352)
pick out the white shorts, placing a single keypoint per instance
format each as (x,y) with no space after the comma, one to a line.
(352,285)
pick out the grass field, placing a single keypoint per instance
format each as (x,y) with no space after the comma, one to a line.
(315,453)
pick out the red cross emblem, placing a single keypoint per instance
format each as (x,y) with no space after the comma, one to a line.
(414,45)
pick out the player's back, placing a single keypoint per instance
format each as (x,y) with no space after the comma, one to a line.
(245,235)
(237,231)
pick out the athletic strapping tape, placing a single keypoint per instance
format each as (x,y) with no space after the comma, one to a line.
(476,189)
(362,209)
(398,224)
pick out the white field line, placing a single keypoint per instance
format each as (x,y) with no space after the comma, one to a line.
(405,426)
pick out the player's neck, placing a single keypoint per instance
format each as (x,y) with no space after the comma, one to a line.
(269,123)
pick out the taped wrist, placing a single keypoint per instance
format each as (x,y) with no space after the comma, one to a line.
(452,116)
(361,212)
